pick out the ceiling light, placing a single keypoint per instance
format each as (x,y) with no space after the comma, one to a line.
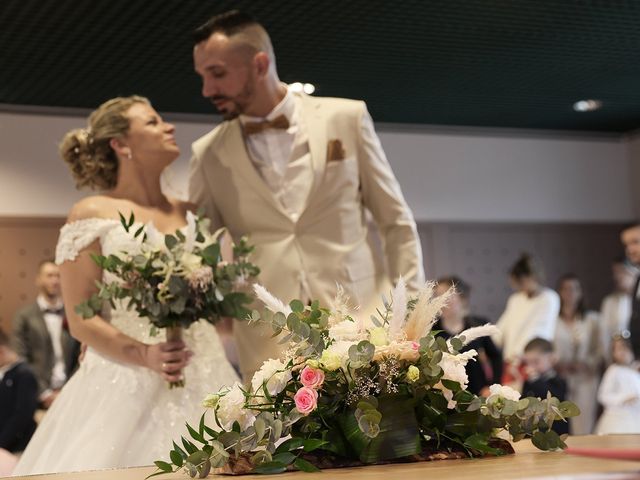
(296,87)
(587,105)
(300,87)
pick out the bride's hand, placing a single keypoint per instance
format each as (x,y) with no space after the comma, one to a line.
(168,359)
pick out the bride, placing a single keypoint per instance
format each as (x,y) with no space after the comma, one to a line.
(117,410)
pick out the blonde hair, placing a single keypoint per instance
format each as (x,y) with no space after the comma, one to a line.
(88,152)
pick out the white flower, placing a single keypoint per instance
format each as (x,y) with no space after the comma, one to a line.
(378,336)
(453,367)
(345,330)
(190,262)
(190,233)
(274,373)
(413,374)
(211,400)
(504,391)
(155,239)
(336,355)
(231,409)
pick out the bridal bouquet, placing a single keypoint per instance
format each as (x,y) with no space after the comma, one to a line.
(176,279)
(350,392)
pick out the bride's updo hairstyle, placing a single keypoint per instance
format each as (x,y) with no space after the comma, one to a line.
(92,161)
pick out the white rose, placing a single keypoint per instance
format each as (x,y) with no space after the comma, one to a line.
(336,355)
(504,391)
(275,374)
(378,336)
(345,330)
(231,409)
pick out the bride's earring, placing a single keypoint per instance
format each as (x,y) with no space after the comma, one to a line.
(129,156)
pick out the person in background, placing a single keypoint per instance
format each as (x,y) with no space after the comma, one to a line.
(630,237)
(531,312)
(541,376)
(18,403)
(615,311)
(42,338)
(578,347)
(619,391)
(455,317)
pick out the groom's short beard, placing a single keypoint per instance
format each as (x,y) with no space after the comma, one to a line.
(240,101)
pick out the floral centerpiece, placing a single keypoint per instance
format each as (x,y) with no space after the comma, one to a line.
(176,279)
(353,392)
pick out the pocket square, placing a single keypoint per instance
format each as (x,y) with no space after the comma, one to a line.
(335,151)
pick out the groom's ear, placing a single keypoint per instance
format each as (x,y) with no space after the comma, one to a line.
(261,62)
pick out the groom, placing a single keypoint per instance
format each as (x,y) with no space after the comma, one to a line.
(297,174)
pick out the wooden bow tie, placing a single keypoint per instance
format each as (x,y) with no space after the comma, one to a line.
(280,122)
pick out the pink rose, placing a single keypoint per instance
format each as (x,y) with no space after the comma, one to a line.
(312,377)
(306,400)
(415,346)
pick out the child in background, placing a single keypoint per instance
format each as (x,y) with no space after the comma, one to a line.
(619,391)
(539,360)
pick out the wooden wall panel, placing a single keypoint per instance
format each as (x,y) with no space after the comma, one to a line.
(24,243)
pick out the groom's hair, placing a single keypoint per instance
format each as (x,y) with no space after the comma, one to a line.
(244,29)
(229,23)
(630,225)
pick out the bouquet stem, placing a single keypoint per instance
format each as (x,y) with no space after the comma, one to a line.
(174,334)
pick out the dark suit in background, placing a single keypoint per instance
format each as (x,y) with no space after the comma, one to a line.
(18,403)
(33,343)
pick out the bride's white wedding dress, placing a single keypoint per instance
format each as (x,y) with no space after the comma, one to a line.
(112,415)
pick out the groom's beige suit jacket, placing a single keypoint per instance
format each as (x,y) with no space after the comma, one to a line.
(329,243)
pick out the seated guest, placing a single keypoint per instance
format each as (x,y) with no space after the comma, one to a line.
(455,317)
(541,377)
(615,311)
(18,401)
(531,312)
(619,391)
(42,338)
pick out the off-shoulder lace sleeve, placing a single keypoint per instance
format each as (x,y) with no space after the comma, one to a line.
(77,235)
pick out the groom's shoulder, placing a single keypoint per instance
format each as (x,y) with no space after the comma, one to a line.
(211,138)
(335,103)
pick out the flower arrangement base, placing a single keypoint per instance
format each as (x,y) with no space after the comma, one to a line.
(325,460)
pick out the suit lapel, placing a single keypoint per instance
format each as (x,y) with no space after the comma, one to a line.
(233,153)
(317,135)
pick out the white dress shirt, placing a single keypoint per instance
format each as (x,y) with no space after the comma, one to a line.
(54,327)
(282,157)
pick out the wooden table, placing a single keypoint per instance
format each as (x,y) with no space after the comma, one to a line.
(528,462)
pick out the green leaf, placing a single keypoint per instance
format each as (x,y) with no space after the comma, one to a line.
(539,439)
(188,446)
(311,444)
(480,442)
(164,466)
(304,466)
(182,453)
(296,306)
(284,457)
(176,458)
(270,468)
(195,435)
(260,427)
(170,241)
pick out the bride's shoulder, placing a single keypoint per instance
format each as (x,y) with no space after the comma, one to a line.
(92,207)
